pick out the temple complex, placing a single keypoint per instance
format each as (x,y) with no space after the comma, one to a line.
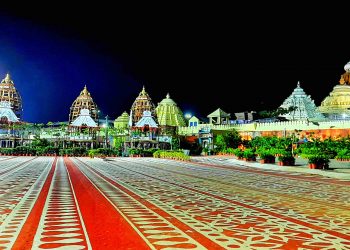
(122,121)
(169,114)
(83,101)
(9,93)
(337,104)
(142,103)
(305,108)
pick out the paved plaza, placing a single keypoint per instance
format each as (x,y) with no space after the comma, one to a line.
(147,203)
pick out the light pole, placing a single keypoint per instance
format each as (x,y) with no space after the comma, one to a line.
(106,135)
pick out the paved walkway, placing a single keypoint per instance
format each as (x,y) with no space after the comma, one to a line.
(337,169)
(148,203)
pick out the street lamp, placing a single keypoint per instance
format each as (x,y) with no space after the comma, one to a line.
(106,135)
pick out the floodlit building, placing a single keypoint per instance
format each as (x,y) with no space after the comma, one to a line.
(83,101)
(142,103)
(304,106)
(169,114)
(9,93)
(337,104)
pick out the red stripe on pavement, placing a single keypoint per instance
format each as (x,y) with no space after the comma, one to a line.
(27,233)
(200,238)
(277,215)
(105,226)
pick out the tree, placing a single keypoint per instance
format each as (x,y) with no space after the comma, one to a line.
(275,113)
(229,139)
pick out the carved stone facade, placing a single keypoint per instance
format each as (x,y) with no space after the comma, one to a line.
(337,104)
(169,114)
(83,101)
(9,93)
(305,108)
(142,103)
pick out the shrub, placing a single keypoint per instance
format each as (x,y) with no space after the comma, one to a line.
(176,155)
(320,159)
(249,154)
(238,152)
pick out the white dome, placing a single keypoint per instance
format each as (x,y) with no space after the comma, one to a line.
(347,67)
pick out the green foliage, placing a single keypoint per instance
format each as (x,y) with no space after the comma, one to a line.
(266,154)
(275,113)
(76,151)
(286,157)
(175,143)
(343,154)
(238,152)
(321,159)
(102,152)
(171,154)
(249,153)
(40,142)
(230,139)
(142,152)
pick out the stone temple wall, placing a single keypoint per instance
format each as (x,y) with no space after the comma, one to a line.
(268,128)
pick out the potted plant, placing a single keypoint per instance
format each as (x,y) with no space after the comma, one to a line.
(238,153)
(318,161)
(249,155)
(266,155)
(286,159)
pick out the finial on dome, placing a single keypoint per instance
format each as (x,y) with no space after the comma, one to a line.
(85,91)
(298,85)
(347,67)
(143,89)
(7,77)
(167,96)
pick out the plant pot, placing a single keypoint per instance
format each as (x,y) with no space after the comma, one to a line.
(249,159)
(285,163)
(313,166)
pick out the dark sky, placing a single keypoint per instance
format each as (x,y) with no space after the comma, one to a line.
(206,58)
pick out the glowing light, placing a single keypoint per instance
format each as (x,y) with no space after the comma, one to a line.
(344,116)
(188,115)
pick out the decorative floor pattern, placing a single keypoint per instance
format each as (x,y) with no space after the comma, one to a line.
(146,203)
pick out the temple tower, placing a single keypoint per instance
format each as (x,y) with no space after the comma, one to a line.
(142,103)
(169,114)
(83,101)
(305,108)
(337,104)
(122,121)
(8,93)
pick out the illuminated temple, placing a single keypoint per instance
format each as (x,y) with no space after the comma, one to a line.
(122,121)
(337,104)
(142,103)
(9,93)
(83,101)
(305,108)
(169,114)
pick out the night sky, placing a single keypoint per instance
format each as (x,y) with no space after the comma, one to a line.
(204,59)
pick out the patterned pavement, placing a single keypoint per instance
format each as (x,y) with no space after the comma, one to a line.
(146,203)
